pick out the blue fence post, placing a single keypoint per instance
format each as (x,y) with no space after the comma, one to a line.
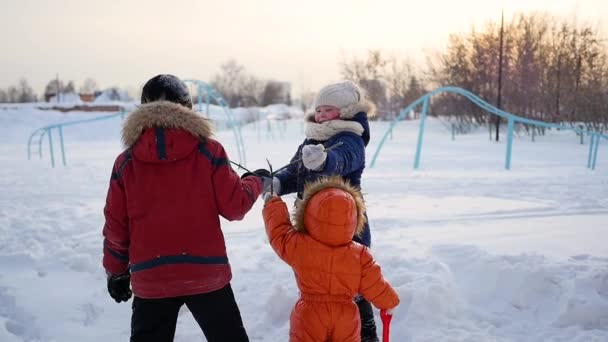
(210,92)
(51,148)
(40,143)
(389,131)
(533,133)
(509,143)
(29,143)
(200,97)
(425,106)
(590,156)
(207,102)
(61,144)
(453,132)
(597,145)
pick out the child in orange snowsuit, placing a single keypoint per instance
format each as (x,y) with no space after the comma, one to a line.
(330,268)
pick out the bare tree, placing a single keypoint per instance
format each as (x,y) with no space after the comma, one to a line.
(554,70)
(386,80)
(53,88)
(236,86)
(25,92)
(70,87)
(12,94)
(275,92)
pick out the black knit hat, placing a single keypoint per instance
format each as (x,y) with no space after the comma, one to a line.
(166,87)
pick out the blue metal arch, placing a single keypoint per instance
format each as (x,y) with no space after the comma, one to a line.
(47,130)
(511,120)
(211,93)
(39,134)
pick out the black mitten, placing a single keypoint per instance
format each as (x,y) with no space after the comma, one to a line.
(119,287)
(261,173)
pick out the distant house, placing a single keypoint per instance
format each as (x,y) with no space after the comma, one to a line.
(109,100)
(64,97)
(84,97)
(113,95)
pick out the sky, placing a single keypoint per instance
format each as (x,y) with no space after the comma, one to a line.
(125,42)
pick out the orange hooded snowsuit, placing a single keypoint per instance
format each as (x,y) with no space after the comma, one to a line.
(330,268)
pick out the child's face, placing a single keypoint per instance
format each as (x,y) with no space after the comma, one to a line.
(326,113)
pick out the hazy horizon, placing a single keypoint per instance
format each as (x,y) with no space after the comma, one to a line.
(125,43)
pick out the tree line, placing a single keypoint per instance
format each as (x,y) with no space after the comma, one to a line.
(24,93)
(553,70)
(242,89)
(20,93)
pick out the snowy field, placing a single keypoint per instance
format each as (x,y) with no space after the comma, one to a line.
(476,253)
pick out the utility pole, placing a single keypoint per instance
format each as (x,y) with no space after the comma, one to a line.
(498,100)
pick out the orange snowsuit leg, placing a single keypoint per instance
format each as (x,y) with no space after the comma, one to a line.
(323,322)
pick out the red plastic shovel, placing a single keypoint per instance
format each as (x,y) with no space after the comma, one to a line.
(386,325)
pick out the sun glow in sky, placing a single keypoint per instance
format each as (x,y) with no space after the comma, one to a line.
(125,42)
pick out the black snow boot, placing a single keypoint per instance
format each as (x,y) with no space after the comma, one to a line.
(368,325)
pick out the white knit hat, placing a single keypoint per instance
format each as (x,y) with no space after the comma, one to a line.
(343,95)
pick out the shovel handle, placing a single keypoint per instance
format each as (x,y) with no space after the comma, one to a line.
(386,325)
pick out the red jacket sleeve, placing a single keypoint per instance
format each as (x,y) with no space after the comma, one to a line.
(374,287)
(234,196)
(116,228)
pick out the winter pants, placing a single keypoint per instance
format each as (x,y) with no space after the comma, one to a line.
(154,320)
(368,325)
(313,321)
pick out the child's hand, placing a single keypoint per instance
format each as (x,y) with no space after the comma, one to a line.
(271,182)
(267,196)
(313,157)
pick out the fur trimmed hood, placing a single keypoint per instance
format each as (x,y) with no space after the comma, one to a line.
(312,189)
(166,115)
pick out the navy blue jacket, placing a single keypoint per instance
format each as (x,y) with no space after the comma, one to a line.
(347,160)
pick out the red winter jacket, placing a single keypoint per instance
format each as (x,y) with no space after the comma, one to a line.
(166,194)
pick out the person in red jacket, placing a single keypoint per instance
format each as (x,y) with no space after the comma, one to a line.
(162,230)
(330,268)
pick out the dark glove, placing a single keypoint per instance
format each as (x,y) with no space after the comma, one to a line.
(261,173)
(118,287)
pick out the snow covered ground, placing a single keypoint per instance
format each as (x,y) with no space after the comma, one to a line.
(477,253)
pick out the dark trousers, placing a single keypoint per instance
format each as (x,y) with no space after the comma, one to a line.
(368,325)
(154,320)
